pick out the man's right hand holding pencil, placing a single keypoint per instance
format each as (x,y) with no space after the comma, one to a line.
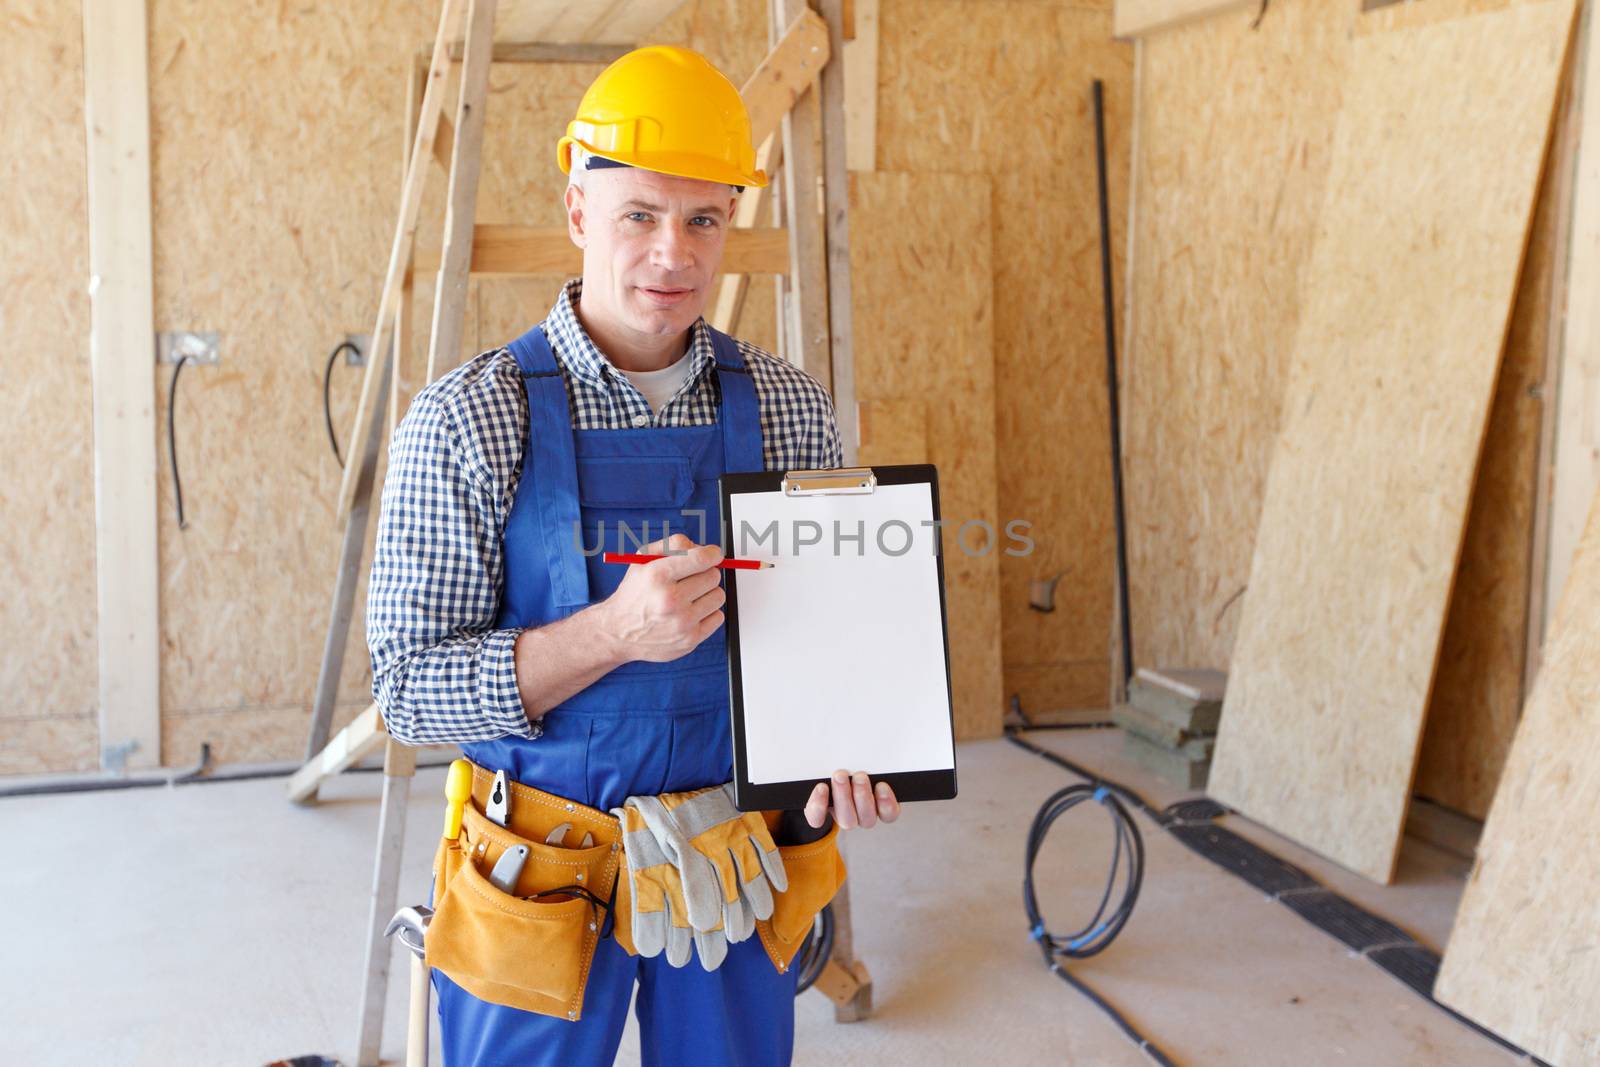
(663,609)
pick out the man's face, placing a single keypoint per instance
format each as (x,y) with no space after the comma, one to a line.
(651,244)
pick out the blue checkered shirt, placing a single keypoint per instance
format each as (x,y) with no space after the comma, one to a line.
(441,671)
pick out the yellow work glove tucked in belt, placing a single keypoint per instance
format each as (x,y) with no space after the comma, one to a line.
(695,856)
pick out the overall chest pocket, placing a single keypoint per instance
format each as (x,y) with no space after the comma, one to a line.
(634,482)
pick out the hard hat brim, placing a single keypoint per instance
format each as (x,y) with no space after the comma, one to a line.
(676,164)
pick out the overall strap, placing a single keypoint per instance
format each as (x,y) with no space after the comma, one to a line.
(551,461)
(741,413)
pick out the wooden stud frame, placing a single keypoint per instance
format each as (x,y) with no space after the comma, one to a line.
(121,354)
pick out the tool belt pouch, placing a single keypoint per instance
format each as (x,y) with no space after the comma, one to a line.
(532,954)
(815,872)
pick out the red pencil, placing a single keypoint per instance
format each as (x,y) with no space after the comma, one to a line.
(727,564)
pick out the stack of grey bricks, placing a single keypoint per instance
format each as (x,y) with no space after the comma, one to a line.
(1170,722)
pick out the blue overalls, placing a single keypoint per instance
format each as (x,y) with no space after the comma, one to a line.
(644,728)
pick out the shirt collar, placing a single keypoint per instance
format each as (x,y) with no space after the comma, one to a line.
(583,357)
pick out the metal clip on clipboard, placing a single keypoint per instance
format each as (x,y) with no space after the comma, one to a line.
(829,482)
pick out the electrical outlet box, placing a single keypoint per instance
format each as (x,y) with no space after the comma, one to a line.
(200,347)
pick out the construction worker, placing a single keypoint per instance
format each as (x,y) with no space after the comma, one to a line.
(491,626)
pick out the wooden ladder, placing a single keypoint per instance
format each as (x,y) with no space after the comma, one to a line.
(795,100)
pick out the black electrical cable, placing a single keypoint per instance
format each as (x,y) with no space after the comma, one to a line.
(1104,925)
(1015,737)
(172,437)
(815,951)
(1109,309)
(327,406)
(1102,928)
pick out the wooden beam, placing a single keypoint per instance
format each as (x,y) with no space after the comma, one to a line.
(405,234)
(841,984)
(836,221)
(861,89)
(444,143)
(466,159)
(399,767)
(349,746)
(362,457)
(121,358)
(852,1001)
(508,250)
(791,65)
(805,287)
(1559,185)
(405,308)
(581,21)
(788,70)
(545,52)
(1135,18)
(1577,400)
(729,304)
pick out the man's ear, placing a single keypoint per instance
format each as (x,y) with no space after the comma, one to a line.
(576,220)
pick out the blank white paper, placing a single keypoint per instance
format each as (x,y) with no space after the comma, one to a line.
(841,644)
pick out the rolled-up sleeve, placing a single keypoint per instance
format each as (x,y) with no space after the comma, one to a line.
(441,670)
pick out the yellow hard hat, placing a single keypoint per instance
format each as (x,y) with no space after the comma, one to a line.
(668,110)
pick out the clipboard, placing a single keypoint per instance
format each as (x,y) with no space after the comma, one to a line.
(839,654)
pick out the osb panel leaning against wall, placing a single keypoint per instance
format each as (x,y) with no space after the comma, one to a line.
(1234,129)
(926,387)
(1477,690)
(1521,957)
(1388,398)
(1002,89)
(47,622)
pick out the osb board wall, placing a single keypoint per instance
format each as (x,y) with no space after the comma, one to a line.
(1235,127)
(1367,495)
(276,140)
(926,384)
(1521,959)
(1001,88)
(275,134)
(48,672)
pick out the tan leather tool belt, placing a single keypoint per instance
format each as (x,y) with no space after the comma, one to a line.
(532,948)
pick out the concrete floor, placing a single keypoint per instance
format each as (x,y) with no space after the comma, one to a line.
(219,924)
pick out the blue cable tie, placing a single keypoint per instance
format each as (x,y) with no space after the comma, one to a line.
(1038,932)
(1100,793)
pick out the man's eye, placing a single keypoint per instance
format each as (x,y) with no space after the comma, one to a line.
(638,216)
(704,221)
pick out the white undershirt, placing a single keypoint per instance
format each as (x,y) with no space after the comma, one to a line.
(659,385)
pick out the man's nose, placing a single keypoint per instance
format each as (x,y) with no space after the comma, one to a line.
(672,250)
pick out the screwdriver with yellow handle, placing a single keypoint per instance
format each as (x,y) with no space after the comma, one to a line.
(457,791)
